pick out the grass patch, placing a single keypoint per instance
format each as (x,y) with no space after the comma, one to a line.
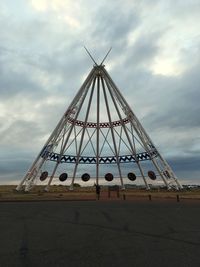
(56,192)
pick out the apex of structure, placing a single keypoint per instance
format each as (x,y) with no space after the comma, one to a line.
(92,58)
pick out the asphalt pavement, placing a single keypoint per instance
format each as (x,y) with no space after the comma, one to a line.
(100,233)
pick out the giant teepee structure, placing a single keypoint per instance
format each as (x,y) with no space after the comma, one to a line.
(98,137)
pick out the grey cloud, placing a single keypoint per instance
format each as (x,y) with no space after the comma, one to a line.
(15,162)
(21,133)
(113,24)
(16,78)
(12,84)
(177,105)
(144,49)
(135,76)
(13,166)
(12,170)
(182,164)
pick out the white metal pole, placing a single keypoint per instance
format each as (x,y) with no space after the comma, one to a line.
(143,134)
(83,132)
(125,130)
(97,141)
(82,97)
(55,133)
(112,133)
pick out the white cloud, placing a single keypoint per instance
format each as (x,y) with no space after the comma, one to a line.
(40,5)
(178,23)
(46,5)
(68,12)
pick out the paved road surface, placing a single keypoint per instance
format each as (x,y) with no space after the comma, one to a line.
(100,233)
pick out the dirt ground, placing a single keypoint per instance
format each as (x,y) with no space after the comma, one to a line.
(8,193)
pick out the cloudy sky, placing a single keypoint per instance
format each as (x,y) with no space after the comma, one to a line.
(155,61)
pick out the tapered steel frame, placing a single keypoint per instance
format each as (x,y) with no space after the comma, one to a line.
(100,78)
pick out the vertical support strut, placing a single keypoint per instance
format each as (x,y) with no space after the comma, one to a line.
(33,167)
(142,134)
(83,133)
(112,133)
(125,130)
(70,131)
(37,165)
(97,142)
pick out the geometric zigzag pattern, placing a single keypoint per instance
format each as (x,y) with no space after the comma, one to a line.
(102,160)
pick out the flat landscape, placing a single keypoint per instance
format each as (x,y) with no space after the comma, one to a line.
(8,193)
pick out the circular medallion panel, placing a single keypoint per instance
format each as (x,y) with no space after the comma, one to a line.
(43,176)
(63,177)
(109,176)
(152,175)
(131,176)
(85,177)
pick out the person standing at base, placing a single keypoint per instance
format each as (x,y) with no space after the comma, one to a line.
(98,190)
